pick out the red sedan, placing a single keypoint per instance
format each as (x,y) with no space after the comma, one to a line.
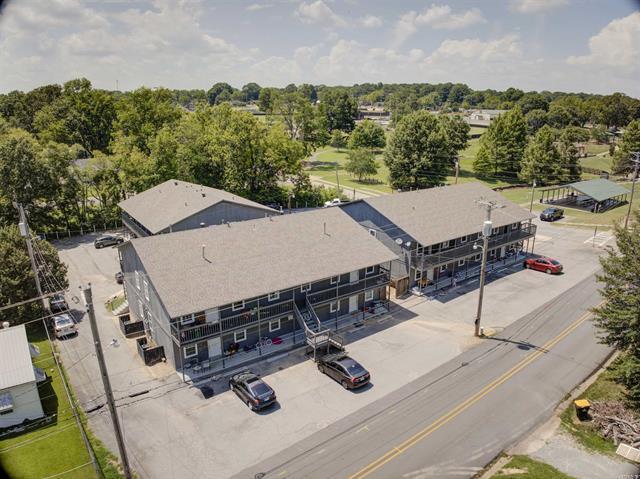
(547,265)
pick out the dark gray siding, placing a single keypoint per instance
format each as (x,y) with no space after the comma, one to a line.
(219,213)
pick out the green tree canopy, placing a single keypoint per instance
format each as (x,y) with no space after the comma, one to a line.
(502,146)
(361,163)
(630,143)
(219,93)
(541,161)
(367,134)
(339,139)
(340,109)
(536,119)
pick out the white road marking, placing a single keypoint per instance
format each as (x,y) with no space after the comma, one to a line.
(600,239)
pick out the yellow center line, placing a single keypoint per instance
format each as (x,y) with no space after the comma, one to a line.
(442,420)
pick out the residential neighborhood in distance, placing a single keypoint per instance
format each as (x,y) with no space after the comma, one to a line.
(319,239)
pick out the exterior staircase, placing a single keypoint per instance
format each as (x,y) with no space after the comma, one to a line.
(320,338)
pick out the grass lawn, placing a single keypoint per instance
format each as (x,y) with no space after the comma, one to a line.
(477,130)
(58,447)
(523,467)
(595,148)
(604,388)
(597,162)
(115,302)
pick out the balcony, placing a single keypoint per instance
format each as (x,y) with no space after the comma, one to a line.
(364,284)
(443,257)
(190,333)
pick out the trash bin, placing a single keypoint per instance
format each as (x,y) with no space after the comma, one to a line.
(582,409)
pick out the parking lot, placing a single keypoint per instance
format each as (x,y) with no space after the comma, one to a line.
(172,431)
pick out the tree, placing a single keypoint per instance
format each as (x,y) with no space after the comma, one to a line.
(630,143)
(17,282)
(569,155)
(615,110)
(361,163)
(617,317)
(559,116)
(219,93)
(536,119)
(457,131)
(309,92)
(532,101)
(251,91)
(367,135)
(266,99)
(339,108)
(541,161)
(418,153)
(599,133)
(502,146)
(339,139)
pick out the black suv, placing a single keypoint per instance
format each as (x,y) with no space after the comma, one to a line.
(58,303)
(345,370)
(107,240)
(253,391)
(551,214)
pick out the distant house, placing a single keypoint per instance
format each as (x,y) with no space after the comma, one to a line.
(211,296)
(178,205)
(19,378)
(482,118)
(432,231)
(375,113)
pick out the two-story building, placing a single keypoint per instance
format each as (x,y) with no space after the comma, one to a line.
(178,205)
(433,231)
(209,295)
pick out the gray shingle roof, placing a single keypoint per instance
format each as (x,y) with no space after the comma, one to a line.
(252,258)
(435,215)
(15,357)
(599,189)
(172,201)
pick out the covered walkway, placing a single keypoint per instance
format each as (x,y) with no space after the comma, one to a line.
(596,196)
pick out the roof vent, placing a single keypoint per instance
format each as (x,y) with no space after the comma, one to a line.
(202,225)
(203,195)
(5,325)
(175,183)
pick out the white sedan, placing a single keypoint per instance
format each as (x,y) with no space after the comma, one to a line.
(333,202)
(64,325)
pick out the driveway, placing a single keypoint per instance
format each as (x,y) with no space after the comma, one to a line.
(172,431)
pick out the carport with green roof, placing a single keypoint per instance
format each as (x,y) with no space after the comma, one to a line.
(597,195)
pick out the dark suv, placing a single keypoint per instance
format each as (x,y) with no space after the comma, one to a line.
(57,303)
(345,370)
(552,214)
(253,391)
(107,240)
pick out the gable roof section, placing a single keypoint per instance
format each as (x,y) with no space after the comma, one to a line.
(439,214)
(173,201)
(599,189)
(15,357)
(252,258)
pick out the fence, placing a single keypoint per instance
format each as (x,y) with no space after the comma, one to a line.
(83,230)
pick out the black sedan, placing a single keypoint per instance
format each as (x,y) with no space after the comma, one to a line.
(253,391)
(345,370)
(107,240)
(552,214)
(57,303)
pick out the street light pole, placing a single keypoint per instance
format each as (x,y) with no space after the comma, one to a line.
(23,226)
(533,189)
(486,232)
(636,161)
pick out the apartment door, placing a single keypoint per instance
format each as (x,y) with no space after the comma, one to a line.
(430,274)
(354,276)
(215,347)
(353,303)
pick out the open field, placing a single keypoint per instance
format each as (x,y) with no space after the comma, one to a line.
(602,162)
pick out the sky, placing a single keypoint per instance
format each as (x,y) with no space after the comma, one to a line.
(559,45)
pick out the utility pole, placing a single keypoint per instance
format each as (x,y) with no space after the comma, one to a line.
(289,196)
(337,178)
(457,162)
(23,226)
(636,161)
(533,190)
(486,232)
(88,297)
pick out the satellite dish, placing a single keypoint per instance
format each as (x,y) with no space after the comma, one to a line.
(408,243)
(399,241)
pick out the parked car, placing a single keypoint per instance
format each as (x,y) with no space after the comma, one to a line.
(253,391)
(107,240)
(57,303)
(64,325)
(552,214)
(347,371)
(119,277)
(333,202)
(547,265)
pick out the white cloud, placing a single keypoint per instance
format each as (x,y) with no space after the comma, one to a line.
(319,12)
(437,17)
(258,6)
(616,45)
(370,21)
(501,49)
(536,6)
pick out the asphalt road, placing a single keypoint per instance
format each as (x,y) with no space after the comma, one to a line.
(454,420)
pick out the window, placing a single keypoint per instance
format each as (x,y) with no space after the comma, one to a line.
(334,306)
(373,232)
(334,279)
(305,287)
(477,257)
(492,253)
(419,250)
(187,319)
(418,275)
(514,226)
(146,289)
(446,244)
(461,262)
(370,270)
(137,280)
(368,295)
(494,231)
(140,308)
(6,403)
(237,306)
(464,239)
(273,296)
(443,268)
(190,351)
(274,325)
(240,336)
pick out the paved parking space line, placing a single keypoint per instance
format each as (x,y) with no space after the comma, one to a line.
(600,239)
